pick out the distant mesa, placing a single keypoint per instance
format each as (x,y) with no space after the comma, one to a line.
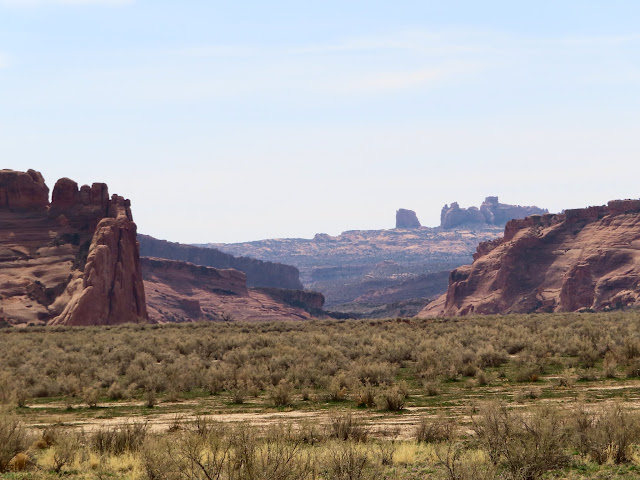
(581,259)
(491,212)
(407,219)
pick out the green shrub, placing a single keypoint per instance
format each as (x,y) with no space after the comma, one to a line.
(391,399)
(527,444)
(281,394)
(608,434)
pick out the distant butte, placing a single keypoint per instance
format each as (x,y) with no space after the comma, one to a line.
(491,212)
(407,219)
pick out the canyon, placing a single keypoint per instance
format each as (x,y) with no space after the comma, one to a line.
(359,271)
(372,267)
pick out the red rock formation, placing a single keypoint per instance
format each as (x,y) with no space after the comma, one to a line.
(65,194)
(584,258)
(23,191)
(407,219)
(110,289)
(74,262)
(183,292)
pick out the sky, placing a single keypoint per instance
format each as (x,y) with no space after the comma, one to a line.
(245,120)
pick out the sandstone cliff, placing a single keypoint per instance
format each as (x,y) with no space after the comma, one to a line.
(258,272)
(407,219)
(491,212)
(584,258)
(74,261)
(183,292)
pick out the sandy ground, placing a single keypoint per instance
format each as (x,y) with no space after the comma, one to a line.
(402,425)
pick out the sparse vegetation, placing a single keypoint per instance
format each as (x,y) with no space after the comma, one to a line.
(516,397)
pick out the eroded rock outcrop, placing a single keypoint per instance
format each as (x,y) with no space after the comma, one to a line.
(23,191)
(491,212)
(453,216)
(407,219)
(72,262)
(183,292)
(582,259)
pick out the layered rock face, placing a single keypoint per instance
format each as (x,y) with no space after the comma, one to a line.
(72,262)
(491,212)
(584,258)
(258,272)
(183,292)
(407,219)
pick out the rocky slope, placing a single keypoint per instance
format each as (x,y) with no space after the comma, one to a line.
(581,259)
(259,273)
(378,264)
(180,292)
(71,261)
(491,212)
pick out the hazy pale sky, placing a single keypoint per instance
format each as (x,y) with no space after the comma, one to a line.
(233,121)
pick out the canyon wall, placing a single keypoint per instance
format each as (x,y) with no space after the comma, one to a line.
(582,259)
(259,273)
(184,292)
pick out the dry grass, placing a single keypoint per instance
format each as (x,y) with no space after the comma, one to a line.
(331,399)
